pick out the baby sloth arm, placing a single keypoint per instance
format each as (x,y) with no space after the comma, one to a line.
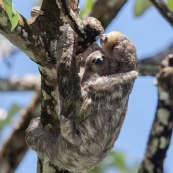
(108,83)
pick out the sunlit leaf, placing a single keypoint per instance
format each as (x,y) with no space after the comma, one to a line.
(141,6)
(11,12)
(118,159)
(8,7)
(87,8)
(170,4)
(15,19)
(13,110)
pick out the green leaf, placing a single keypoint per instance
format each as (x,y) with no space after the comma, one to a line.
(170,4)
(13,110)
(87,8)
(11,12)
(141,6)
(118,160)
(115,161)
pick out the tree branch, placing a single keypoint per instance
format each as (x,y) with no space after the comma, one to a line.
(164,10)
(160,135)
(28,82)
(31,35)
(6,49)
(110,9)
(87,30)
(44,38)
(150,65)
(22,36)
(57,58)
(14,149)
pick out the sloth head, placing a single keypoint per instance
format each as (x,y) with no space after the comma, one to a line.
(96,63)
(109,40)
(120,51)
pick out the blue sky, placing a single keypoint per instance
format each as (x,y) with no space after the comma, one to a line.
(150,33)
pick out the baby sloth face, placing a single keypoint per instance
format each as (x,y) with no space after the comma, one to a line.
(96,63)
(99,63)
(120,51)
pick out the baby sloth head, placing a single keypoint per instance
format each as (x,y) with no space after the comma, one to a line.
(96,63)
(108,40)
(120,51)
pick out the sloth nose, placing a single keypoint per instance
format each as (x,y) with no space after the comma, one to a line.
(99,60)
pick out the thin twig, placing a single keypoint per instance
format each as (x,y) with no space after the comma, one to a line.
(164,10)
(88,30)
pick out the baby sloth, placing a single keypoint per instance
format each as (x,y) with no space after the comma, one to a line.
(120,51)
(86,137)
(96,64)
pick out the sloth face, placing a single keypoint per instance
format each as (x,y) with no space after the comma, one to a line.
(99,63)
(96,63)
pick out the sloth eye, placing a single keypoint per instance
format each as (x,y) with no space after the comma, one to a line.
(93,60)
(103,57)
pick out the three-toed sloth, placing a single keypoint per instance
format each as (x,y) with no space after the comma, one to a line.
(105,86)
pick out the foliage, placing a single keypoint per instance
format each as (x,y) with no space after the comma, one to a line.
(141,6)
(170,4)
(116,161)
(87,8)
(13,110)
(11,12)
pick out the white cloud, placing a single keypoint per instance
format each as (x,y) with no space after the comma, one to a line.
(3,114)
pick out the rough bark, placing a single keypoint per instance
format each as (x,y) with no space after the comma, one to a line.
(160,135)
(14,148)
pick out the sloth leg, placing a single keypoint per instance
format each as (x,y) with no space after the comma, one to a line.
(40,139)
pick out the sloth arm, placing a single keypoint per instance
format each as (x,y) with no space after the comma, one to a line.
(107,83)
